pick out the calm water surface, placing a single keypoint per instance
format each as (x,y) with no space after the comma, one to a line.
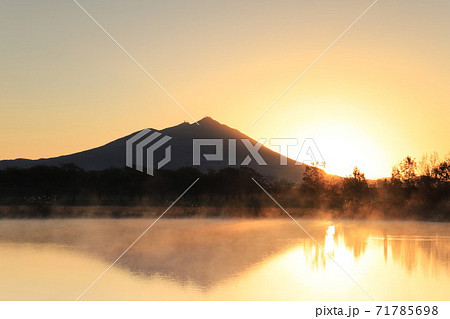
(199,259)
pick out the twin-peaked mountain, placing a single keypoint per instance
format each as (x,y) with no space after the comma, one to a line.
(113,154)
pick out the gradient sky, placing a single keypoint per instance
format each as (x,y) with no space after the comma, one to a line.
(381,93)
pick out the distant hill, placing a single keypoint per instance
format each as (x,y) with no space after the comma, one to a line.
(112,155)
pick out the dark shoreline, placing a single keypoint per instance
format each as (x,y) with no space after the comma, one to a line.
(11,212)
(70,192)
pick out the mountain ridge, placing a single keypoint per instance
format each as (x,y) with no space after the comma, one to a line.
(112,154)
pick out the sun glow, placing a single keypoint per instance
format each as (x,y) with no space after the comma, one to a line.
(343,146)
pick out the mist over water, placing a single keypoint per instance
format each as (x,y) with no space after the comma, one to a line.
(217,259)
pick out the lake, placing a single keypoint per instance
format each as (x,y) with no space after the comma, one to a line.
(224,259)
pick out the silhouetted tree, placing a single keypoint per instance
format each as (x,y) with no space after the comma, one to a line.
(313,189)
(405,171)
(355,190)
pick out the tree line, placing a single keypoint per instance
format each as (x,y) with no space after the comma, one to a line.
(416,189)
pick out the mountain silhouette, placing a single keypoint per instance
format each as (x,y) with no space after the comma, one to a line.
(113,154)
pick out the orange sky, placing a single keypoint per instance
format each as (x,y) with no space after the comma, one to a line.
(379,94)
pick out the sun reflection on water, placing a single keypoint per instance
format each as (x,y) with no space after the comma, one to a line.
(225,260)
(329,241)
